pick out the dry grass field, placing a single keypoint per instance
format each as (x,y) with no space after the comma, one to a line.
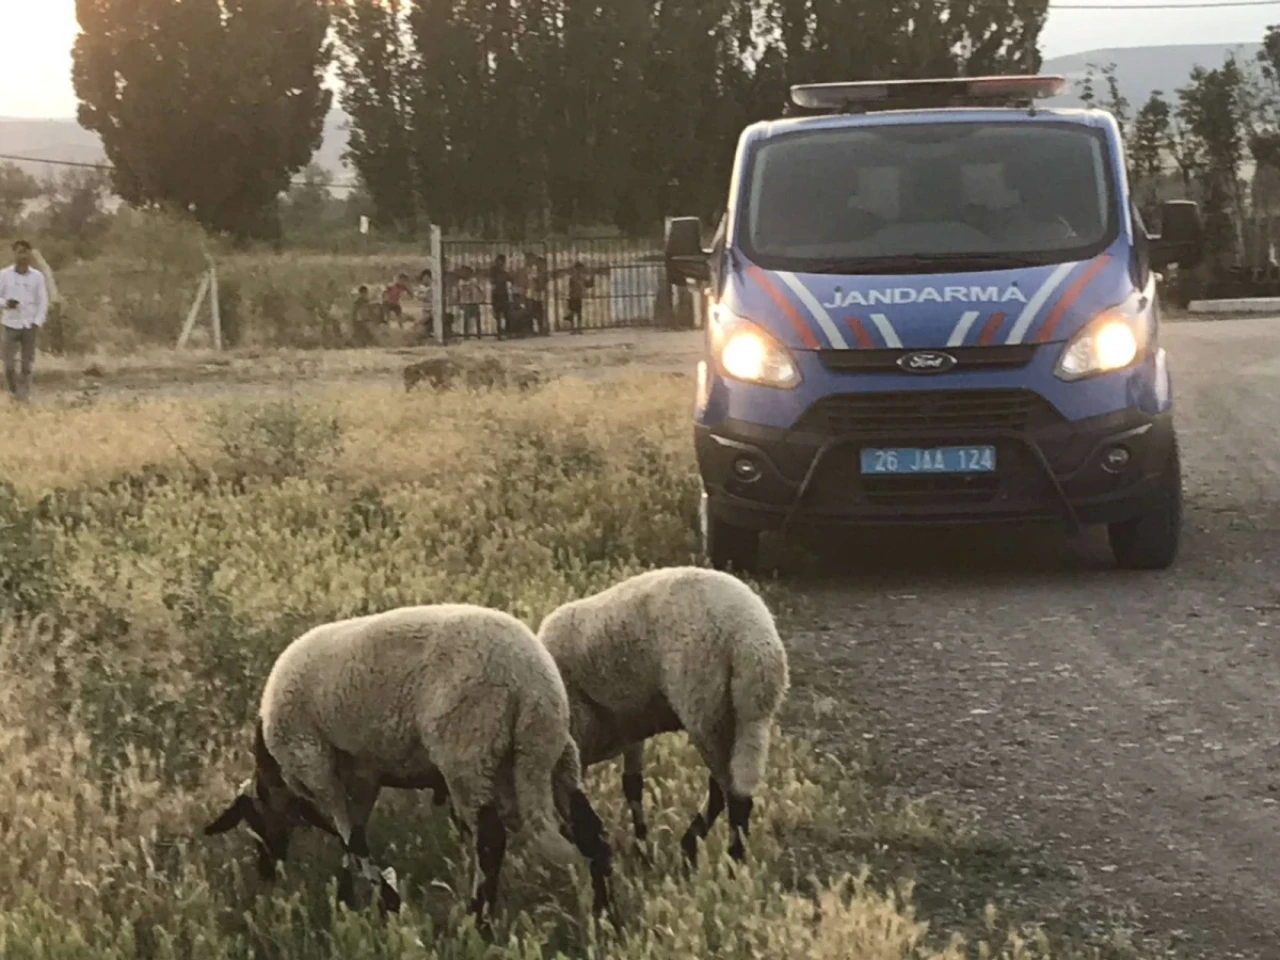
(158,552)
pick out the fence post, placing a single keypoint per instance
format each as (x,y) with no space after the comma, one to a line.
(215,309)
(57,333)
(437,284)
(194,311)
(552,305)
(667,298)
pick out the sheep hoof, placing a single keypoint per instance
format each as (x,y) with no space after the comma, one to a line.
(390,894)
(390,899)
(347,890)
(689,845)
(642,852)
(484,924)
(607,912)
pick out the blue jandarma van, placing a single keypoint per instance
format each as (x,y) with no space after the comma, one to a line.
(934,302)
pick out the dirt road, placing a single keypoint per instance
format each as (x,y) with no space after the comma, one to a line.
(249,373)
(1125,725)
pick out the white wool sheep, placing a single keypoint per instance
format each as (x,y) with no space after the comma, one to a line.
(458,698)
(678,648)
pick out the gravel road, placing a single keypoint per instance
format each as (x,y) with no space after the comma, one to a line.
(1124,724)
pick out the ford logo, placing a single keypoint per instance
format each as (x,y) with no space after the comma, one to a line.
(926,361)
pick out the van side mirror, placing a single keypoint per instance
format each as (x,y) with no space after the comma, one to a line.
(686,259)
(1181,239)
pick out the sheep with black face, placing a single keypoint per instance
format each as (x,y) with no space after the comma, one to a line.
(455,698)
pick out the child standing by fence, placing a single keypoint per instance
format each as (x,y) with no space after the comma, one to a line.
(579,283)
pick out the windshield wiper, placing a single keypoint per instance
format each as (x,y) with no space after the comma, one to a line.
(942,263)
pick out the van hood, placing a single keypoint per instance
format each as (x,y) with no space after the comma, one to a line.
(1042,304)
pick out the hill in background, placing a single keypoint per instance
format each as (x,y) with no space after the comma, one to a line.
(67,141)
(1140,70)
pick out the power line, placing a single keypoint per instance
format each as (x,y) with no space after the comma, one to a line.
(1165,6)
(82,165)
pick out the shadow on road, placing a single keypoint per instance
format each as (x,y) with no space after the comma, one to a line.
(908,555)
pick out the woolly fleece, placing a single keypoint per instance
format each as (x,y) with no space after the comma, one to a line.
(461,689)
(681,647)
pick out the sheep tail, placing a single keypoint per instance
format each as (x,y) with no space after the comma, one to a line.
(535,799)
(758,682)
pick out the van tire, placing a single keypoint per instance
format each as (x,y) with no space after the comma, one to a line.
(1150,540)
(731,548)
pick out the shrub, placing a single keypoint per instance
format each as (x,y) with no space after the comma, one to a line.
(276,439)
(29,575)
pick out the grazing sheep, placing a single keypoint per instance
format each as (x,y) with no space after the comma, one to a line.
(481,373)
(438,372)
(683,648)
(456,698)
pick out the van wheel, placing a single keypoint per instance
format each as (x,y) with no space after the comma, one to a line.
(731,548)
(1150,540)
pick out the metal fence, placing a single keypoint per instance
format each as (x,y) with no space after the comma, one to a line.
(1246,265)
(620,282)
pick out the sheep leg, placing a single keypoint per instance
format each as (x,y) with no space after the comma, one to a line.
(739,825)
(475,812)
(362,794)
(633,787)
(348,800)
(701,824)
(358,861)
(491,848)
(316,778)
(586,829)
(588,837)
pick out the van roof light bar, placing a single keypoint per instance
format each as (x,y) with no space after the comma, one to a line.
(859,97)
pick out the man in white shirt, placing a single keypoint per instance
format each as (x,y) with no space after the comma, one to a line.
(24,306)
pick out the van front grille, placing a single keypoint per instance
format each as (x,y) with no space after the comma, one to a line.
(944,412)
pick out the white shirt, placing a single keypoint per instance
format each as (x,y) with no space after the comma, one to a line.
(32,294)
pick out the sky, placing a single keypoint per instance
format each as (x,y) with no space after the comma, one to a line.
(35,69)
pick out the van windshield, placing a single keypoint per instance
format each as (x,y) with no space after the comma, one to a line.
(929,197)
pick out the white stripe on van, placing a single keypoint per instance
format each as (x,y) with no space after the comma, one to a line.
(818,310)
(886,330)
(962,328)
(1037,301)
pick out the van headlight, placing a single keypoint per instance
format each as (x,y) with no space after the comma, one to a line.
(747,352)
(1110,342)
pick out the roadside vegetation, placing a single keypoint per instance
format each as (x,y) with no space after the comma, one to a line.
(156,554)
(159,553)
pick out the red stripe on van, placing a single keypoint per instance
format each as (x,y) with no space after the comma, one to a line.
(807,336)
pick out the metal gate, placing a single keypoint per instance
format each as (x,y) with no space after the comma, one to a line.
(621,282)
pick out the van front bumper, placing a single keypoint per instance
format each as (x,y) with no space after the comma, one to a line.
(1048,468)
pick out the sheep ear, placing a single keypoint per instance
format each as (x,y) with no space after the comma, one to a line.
(230,817)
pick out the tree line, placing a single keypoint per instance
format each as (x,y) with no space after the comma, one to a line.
(497,116)
(1216,140)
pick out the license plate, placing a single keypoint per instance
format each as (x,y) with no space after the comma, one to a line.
(929,459)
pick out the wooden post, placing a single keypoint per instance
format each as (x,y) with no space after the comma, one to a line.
(437,284)
(215,310)
(194,311)
(57,331)
(667,298)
